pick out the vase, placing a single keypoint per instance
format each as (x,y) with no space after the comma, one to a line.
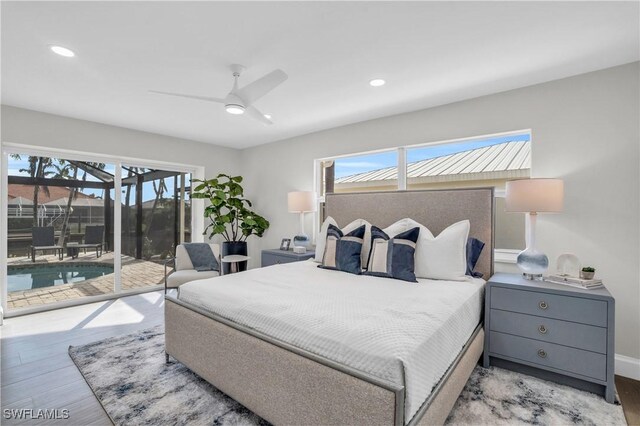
(587,275)
(234,247)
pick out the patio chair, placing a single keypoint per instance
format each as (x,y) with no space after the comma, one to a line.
(43,239)
(183,268)
(93,239)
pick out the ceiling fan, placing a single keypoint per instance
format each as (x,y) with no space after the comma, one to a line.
(240,101)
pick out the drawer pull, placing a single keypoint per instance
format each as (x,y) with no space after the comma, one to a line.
(542,353)
(542,329)
(543,305)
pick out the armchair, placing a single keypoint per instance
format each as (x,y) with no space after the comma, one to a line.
(183,268)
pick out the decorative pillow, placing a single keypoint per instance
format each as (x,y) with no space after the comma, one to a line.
(399,226)
(342,252)
(443,257)
(366,245)
(322,238)
(474,250)
(393,257)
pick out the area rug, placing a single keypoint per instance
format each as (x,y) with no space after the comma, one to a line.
(130,378)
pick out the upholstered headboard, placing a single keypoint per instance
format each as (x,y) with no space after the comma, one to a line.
(436,209)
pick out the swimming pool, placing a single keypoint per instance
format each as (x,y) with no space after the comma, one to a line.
(40,276)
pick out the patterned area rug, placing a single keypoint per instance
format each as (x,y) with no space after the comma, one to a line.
(129,377)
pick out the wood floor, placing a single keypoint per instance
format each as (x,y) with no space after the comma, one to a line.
(37,372)
(629,392)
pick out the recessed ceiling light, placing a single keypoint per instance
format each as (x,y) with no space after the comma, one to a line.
(234,109)
(267,116)
(377,82)
(62,51)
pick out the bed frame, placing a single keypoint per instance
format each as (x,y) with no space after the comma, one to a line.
(290,386)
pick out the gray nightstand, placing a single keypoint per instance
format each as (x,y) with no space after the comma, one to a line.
(555,332)
(276,256)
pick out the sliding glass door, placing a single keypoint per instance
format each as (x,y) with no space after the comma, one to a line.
(155,218)
(79,228)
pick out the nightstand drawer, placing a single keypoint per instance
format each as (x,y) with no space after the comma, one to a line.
(269,259)
(558,357)
(581,336)
(576,309)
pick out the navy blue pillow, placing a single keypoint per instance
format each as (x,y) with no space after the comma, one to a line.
(393,257)
(342,252)
(474,249)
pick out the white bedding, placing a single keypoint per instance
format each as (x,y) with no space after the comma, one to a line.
(405,333)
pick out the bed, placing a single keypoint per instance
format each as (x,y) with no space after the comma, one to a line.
(297,344)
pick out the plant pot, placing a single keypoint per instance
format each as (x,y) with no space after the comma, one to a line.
(234,247)
(587,275)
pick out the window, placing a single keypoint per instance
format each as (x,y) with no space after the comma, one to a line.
(488,161)
(368,172)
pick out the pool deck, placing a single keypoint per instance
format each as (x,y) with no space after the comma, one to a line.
(136,274)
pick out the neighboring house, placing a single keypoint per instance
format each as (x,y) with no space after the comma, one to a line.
(52,205)
(15,190)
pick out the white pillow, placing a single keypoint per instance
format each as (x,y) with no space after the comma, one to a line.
(399,227)
(322,238)
(443,257)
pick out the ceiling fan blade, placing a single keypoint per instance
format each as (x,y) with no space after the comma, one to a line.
(182,95)
(254,91)
(257,115)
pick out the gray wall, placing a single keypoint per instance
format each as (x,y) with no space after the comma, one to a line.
(585,131)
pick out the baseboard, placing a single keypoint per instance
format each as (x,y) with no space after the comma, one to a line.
(628,367)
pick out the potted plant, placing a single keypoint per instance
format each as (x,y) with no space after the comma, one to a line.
(587,273)
(229,214)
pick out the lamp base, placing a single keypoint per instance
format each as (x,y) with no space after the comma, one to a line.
(532,263)
(301,240)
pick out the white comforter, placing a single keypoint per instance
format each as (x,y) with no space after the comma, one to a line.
(404,333)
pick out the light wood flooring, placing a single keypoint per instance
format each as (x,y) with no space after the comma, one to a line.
(37,372)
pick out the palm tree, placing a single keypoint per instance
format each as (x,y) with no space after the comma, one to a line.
(69,170)
(39,167)
(159,189)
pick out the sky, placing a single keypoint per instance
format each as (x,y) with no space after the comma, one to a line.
(147,189)
(365,163)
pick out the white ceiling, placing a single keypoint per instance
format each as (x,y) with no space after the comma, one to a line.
(430,53)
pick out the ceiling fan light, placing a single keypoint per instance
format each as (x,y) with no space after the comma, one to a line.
(234,109)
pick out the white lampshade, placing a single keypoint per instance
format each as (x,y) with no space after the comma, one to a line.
(302,201)
(535,195)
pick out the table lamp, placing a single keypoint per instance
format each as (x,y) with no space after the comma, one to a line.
(533,196)
(301,202)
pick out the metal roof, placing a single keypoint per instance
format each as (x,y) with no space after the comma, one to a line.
(500,160)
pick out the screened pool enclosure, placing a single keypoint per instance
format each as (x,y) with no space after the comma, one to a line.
(60,227)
